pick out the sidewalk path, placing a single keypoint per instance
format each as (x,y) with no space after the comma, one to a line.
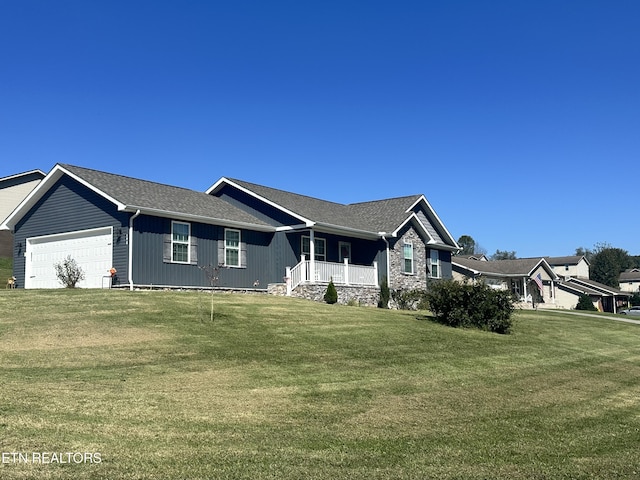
(619,318)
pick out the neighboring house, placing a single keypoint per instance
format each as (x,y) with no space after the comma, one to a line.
(630,280)
(13,190)
(158,235)
(530,279)
(558,289)
(604,297)
(574,266)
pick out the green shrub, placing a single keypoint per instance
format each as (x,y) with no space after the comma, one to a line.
(331,295)
(464,305)
(635,299)
(385,295)
(69,273)
(408,299)
(585,303)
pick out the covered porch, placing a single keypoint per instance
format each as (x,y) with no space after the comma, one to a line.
(310,271)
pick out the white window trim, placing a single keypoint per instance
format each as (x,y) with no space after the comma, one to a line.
(404,258)
(319,257)
(187,243)
(437,263)
(238,248)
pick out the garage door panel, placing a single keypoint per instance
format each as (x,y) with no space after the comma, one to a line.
(91,249)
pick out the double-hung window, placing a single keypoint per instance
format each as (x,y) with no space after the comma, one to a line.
(407,249)
(435,264)
(320,248)
(180,233)
(231,247)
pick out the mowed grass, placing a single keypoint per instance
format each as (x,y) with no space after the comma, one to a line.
(285,388)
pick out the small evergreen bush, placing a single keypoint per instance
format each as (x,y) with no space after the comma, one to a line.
(69,273)
(331,295)
(464,305)
(585,303)
(635,299)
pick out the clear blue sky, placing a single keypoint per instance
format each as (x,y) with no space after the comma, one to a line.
(519,120)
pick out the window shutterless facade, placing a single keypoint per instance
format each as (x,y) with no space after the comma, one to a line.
(231,247)
(180,235)
(321,248)
(407,249)
(434,271)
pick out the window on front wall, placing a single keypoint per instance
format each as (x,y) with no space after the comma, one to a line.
(180,234)
(231,247)
(407,249)
(435,263)
(320,247)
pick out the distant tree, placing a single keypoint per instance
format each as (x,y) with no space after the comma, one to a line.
(503,255)
(607,264)
(468,245)
(635,261)
(585,252)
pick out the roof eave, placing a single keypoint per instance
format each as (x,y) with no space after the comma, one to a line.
(198,218)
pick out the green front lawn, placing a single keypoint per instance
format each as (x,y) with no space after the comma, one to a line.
(284,388)
(6,270)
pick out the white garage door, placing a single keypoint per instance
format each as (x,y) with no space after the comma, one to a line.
(91,249)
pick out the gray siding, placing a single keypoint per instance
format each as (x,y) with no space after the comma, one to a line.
(265,257)
(69,206)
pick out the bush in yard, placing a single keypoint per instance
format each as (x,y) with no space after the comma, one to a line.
(331,295)
(585,303)
(635,299)
(69,273)
(463,305)
(385,295)
(408,299)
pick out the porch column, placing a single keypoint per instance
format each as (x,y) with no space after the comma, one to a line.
(346,271)
(524,283)
(287,279)
(312,255)
(553,292)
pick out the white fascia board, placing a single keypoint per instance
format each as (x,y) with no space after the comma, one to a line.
(216,186)
(353,232)
(546,266)
(198,218)
(435,215)
(38,192)
(413,216)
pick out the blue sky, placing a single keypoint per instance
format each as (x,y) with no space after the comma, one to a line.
(518,120)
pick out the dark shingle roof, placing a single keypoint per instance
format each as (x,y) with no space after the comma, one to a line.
(630,275)
(135,193)
(521,266)
(375,216)
(568,260)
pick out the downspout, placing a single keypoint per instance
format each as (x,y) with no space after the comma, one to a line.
(133,217)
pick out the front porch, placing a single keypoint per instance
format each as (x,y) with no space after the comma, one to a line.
(312,272)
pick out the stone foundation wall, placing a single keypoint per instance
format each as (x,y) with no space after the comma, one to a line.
(365,296)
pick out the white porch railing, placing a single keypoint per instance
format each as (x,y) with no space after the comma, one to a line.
(324,272)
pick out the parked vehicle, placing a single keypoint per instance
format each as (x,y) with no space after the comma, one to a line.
(631,311)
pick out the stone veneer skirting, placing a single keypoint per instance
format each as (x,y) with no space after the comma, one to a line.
(366,296)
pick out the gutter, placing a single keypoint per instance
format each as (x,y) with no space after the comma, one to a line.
(131,249)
